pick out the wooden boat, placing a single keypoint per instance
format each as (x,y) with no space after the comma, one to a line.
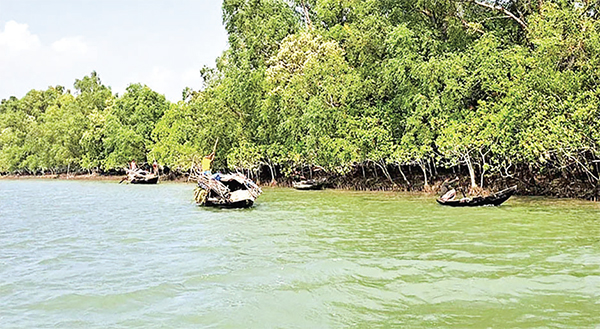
(147,180)
(140,176)
(308,185)
(495,199)
(225,191)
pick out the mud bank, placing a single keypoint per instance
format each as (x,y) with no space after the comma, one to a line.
(405,179)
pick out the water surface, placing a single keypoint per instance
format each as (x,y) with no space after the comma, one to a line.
(102,255)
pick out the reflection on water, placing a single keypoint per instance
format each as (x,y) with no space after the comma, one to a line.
(99,255)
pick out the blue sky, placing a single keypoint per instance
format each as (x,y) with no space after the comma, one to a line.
(162,44)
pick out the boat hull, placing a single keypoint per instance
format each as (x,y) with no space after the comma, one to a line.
(307,185)
(153,180)
(231,205)
(304,187)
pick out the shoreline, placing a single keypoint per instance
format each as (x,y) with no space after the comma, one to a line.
(92,177)
(353,185)
(82,177)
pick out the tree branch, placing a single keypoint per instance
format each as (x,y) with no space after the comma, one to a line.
(504,10)
(307,16)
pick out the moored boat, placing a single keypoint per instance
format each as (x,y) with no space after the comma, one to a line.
(494,199)
(140,176)
(225,191)
(147,180)
(308,185)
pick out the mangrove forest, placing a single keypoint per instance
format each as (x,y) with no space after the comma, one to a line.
(402,92)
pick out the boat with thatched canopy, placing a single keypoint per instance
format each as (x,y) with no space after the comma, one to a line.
(225,191)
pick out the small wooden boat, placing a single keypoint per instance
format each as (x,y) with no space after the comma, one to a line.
(146,180)
(225,191)
(495,199)
(140,176)
(308,185)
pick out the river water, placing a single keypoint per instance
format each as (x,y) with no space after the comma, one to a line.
(77,254)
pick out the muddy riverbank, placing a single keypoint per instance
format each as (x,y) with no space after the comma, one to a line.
(371,179)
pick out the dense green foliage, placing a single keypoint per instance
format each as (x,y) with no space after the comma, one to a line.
(490,86)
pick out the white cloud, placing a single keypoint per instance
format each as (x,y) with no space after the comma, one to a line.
(71,46)
(16,37)
(26,62)
(163,46)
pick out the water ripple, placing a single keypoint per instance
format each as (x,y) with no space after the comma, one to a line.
(98,255)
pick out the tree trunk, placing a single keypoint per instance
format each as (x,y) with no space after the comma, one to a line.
(385,172)
(272,173)
(424,168)
(402,173)
(471,171)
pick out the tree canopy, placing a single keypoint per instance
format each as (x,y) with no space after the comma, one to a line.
(489,86)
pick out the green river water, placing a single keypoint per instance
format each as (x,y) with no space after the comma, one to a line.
(79,254)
